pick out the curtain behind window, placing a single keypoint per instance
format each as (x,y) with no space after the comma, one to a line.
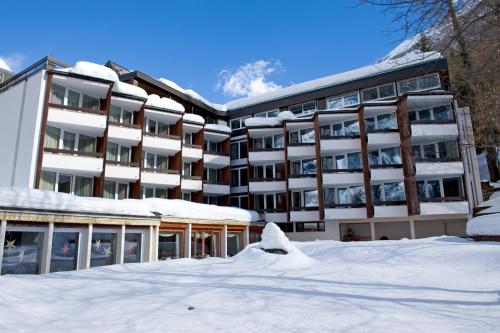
(48,181)
(86,144)
(52,135)
(83,186)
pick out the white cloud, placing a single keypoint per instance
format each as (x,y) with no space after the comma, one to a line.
(249,80)
(12,62)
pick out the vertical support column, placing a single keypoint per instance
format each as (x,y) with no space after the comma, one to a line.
(412,228)
(319,171)
(87,247)
(47,249)
(3,230)
(150,244)
(121,245)
(246,236)
(156,239)
(372,230)
(224,242)
(366,164)
(48,87)
(187,241)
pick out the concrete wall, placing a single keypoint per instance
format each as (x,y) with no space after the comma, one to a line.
(21,112)
(393,230)
(438,228)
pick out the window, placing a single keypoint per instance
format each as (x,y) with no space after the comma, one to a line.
(210,146)
(211,175)
(440,188)
(304,167)
(447,149)
(58,139)
(421,83)
(103,250)
(210,200)
(381,121)
(238,123)
(52,136)
(154,192)
(302,136)
(341,101)
(115,190)
(438,113)
(83,186)
(57,93)
(269,142)
(187,169)
(62,96)
(188,139)
(305,199)
(119,115)
(156,127)
(270,202)
(186,196)
(89,102)
(380,92)
(239,177)
(303,108)
(22,252)
(64,254)
(344,195)
(309,226)
(267,114)
(239,150)
(388,192)
(240,201)
(385,156)
(133,247)
(53,181)
(169,245)
(154,161)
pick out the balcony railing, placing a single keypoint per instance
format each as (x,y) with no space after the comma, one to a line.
(345,136)
(191,145)
(73,152)
(218,153)
(192,177)
(165,136)
(435,159)
(301,144)
(265,149)
(166,171)
(354,170)
(382,130)
(386,166)
(445,199)
(278,179)
(302,175)
(123,163)
(436,121)
(389,203)
(115,123)
(215,182)
(346,205)
(304,208)
(271,210)
(76,108)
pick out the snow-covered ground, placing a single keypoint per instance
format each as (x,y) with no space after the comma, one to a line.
(442,284)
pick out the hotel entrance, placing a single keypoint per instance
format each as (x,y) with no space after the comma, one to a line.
(205,242)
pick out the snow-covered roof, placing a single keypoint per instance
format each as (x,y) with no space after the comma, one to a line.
(485,225)
(164,103)
(93,70)
(193,94)
(218,127)
(270,121)
(194,118)
(129,89)
(409,59)
(13,197)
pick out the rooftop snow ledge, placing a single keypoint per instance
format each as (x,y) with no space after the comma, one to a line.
(164,103)
(92,70)
(13,197)
(129,89)
(271,121)
(218,127)
(194,118)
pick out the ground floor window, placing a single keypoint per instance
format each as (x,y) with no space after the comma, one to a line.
(309,226)
(240,201)
(233,243)
(133,247)
(169,245)
(210,200)
(103,250)
(22,252)
(64,254)
(205,244)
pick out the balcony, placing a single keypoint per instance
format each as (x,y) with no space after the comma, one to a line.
(167,178)
(301,150)
(127,134)
(390,209)
(266,156)
(345,211)
(77,162)
(266,185)
(162,143)
(446,206)
(215,159)
(331,144)
(334,177)
(303,181)
(191,153)
(275,215)
(434,130)
(128,171)
(386,172)
(216,188)
(191,183)
(89,121)
(439,167)
(304,214)
(385,137)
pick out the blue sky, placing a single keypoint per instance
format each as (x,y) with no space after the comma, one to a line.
(244,46)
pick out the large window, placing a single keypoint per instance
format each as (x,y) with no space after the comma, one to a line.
(304,167)
(169,245)
(345,128)
(302,136)
(380,92)
(303,108)
(239,150)
(62,96)
(154,161)
(133,247)
(240,201)
(64,255)
(60,139)
(345,195)
(342,161)
(270,202)
(305,199)
(342,101)
(239,177)
(103,250)
(447,149)
(154,192)
(442,112)
(270,171)
(421,83)
(156,127)
(269,142)
(233,243)
(120,115)
(115,190)
(267,114)
(381,122)
(22,252)
(388,192)
(238,123)
(118,153)
(446,188)
(385,156)
(65,183)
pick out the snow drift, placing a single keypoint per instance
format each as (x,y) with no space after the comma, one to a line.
(485,225)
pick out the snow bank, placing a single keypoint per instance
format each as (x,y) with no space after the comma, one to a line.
(49,200)
(92,70)
(274,238)
(271,121)
(218,127)
(164,103)
(485,225)
(193,94)
(129,89)
(194,118)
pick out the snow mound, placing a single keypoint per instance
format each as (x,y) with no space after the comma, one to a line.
(129,89)
(93,70)
(271,121)
(274,238)
(164,103)
(194,118)
(218,127)
(485,225)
